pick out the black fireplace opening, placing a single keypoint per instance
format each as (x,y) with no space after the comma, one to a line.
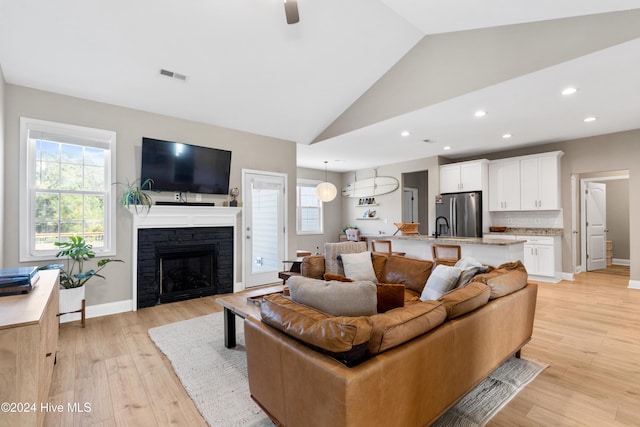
(175,264)
(186,272)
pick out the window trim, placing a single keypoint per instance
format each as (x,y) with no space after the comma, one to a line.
(93,137)
(308,183)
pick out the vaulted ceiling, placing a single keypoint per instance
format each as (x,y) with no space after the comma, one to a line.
(351,75)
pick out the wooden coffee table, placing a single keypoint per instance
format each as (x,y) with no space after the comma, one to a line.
(236,304)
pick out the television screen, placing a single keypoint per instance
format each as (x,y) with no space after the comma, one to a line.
(174,166)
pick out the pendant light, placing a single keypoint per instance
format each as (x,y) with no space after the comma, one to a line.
(326,191)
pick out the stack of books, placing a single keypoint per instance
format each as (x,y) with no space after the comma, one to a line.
(18,280)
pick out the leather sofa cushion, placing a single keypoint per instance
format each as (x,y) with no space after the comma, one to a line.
(344,338)
(313,266)
(335,297)
(466,299)
(411,272)
(507,283)
(400,325)
(515,278)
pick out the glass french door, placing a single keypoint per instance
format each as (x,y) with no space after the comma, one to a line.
(264,227)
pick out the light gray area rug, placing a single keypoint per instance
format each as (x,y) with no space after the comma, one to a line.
(216,377)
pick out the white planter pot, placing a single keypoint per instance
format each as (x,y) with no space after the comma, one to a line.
(71,299)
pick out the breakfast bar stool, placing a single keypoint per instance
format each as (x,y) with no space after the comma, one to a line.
(445,254)
(384,246)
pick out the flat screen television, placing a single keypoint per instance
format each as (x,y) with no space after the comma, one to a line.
(174,166)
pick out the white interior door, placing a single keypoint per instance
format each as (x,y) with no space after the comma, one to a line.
(596,209)
(264,227)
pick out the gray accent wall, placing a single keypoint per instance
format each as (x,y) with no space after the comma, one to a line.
(618,217)
(2,149)
(250,151)
(332,212)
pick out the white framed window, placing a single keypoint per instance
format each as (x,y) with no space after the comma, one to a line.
(65,187)
(309,216)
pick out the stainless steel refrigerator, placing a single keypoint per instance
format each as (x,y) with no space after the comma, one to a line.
(459,214)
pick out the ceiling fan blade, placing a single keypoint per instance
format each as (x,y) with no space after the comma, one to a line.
(291,10)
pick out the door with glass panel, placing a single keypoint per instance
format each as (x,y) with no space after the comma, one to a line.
(264,226)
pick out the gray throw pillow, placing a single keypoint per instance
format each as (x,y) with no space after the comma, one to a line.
(470,267)
(335,297)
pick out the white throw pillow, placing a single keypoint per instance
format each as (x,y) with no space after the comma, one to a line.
(359,266)
(443,278)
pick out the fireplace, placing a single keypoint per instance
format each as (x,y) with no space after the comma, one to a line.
(168,232)
(175,264)
(186,272)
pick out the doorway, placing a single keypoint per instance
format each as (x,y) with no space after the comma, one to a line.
(613,244)
(264,231)
(415,194)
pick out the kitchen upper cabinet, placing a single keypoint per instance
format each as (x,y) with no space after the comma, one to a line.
(504,185)
(464,176)
(540,182)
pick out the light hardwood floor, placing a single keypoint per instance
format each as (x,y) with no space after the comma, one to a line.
(588,331)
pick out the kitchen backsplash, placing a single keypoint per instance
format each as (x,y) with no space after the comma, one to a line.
(528,219)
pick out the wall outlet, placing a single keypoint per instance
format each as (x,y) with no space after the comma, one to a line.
(176,197)
(198,197)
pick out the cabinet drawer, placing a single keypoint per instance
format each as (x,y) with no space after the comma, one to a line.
(537,240)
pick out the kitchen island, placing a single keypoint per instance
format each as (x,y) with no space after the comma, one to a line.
(488,251)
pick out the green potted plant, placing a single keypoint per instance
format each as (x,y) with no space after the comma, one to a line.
(73,276)
(133,194)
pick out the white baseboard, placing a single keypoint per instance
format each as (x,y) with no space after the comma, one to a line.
(618,261)
(567,276)
(634,284)
(100,310)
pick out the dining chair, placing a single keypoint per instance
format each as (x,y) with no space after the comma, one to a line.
(384,246)
(445,254)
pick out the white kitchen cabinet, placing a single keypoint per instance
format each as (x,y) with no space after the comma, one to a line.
(504,185)
(541,256)
(463,176)
(540,182)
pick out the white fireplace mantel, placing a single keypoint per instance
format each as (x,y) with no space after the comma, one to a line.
(170,216)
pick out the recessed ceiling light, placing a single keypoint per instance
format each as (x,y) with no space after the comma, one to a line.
(405,133)
(446,148)
(480,113)
(590,119)
(569,91)
(506,136)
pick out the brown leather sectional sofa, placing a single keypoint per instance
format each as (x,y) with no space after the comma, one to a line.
(409,377)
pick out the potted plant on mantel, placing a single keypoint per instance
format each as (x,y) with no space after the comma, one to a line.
(73,277)
(135,195)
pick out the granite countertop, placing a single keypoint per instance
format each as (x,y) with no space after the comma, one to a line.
(531,231)
(455,240)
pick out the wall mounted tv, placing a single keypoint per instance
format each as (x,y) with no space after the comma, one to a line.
(178,167)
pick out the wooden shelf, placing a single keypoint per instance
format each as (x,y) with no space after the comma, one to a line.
(367,219)
(366,206)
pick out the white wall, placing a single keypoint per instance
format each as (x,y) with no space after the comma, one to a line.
(248,151)
(389,208)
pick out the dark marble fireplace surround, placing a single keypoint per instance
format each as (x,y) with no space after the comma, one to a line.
(153,243)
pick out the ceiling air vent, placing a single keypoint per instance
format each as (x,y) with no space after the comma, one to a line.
(173,75)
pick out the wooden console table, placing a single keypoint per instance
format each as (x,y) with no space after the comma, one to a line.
(28,343)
